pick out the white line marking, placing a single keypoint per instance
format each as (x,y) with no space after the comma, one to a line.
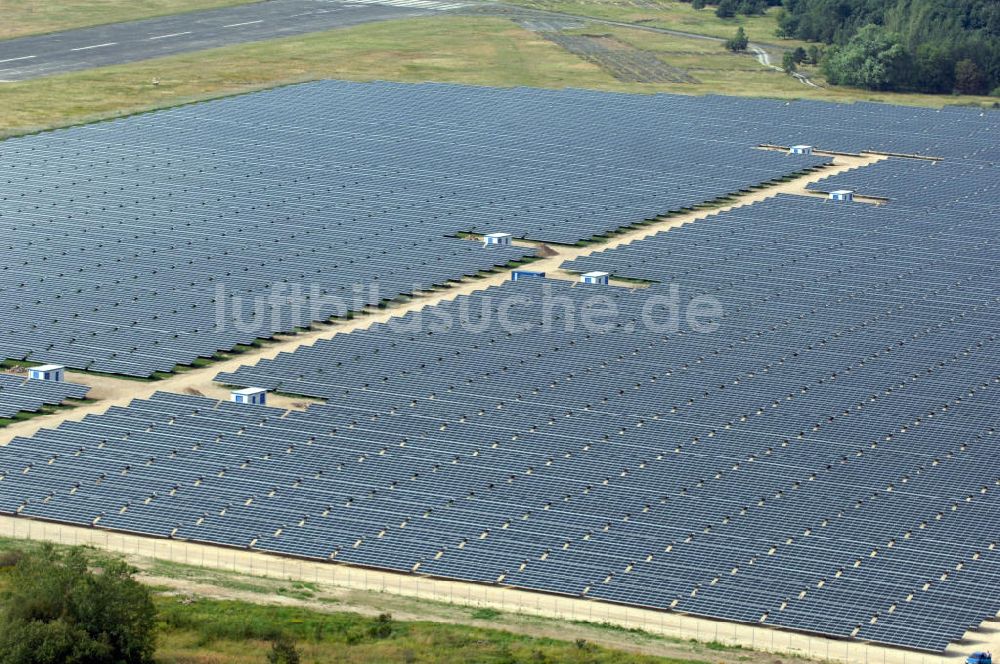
(87,48)
(23,57)
(236,25)
(176,34)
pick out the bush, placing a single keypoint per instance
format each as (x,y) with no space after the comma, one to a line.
(788,62)
(381,627)
(739,41)
(726,9)
(283,651)
(10,558)
(751,7)
(76,608)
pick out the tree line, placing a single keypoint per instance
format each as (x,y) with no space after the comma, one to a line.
(937,46)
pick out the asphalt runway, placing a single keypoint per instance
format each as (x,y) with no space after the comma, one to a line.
(117,43)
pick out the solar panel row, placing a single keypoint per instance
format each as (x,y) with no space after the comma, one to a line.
(958,186)
(20,395)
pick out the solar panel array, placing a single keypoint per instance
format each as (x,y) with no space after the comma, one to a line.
(959,186)
(134,242)
(824,461)
(21,395)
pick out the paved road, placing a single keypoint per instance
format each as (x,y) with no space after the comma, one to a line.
(71,50)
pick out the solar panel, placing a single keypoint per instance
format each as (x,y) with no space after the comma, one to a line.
(21,395)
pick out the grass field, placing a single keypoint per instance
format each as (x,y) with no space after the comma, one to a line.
(30,17)
(480,50)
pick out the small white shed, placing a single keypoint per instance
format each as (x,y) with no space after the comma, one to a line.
(800,149)
(595,278)
(496,240)
(256,396)
(53,372)
(842,195)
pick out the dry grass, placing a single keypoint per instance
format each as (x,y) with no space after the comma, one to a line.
(30,17)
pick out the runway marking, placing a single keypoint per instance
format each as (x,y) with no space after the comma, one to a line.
(413,4)
(87,48)
(23,57)
(175,34)
(236,25)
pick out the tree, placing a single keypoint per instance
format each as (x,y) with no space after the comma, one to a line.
(872,59)
(698,4)
(76,608)
(788,62)
(969,80)
(751,7)
(283,651)
(800,55)
(814,54)
(933,68)
(726,9)
(739,41)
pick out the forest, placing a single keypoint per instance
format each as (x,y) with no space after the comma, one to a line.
(939,46)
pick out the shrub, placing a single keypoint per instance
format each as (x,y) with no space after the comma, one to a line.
(283,651)
(739,41)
